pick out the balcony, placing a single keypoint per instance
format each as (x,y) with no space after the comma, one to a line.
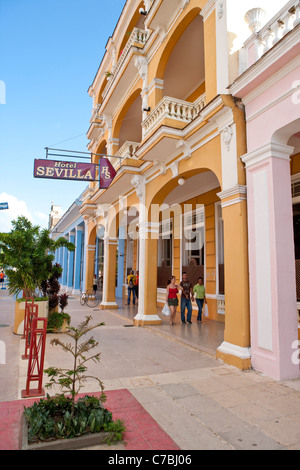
(137,39)
(173,112)
(96,127)
(128,150)
(274,31)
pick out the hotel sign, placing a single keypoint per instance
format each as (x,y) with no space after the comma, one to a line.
(106,173)
(53,169)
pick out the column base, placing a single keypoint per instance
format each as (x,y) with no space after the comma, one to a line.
(76,292)
(108,305)
(234,355)
(143,320)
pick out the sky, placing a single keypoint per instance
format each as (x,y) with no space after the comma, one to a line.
(50,52)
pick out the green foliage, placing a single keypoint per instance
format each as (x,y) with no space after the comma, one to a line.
(36,299)
(54,418)
(56,320)
(62,417)
(28,251)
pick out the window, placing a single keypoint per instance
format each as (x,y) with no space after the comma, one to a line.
(193,239)
(165,244)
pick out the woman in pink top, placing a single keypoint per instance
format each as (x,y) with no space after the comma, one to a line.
(171,298)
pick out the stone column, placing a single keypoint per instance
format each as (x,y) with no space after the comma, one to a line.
(90,266)
(235,349)
(274,328)
(109,273)
(70,277)
(148,238)
(65,268)
(77,260)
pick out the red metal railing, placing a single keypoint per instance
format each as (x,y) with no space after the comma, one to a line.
(36,357)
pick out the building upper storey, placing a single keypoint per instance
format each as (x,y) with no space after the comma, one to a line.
(168,61)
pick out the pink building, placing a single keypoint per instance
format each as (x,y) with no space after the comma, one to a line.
(269,88)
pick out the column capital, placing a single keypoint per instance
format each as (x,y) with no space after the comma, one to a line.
(110,241)
(91,247)
(233,195)
(146,228)
(208,9)
(273,149)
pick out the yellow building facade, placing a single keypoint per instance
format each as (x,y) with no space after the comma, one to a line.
(163,114)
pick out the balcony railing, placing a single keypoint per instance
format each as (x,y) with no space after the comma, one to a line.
(138,38)
(175,109)
(276,29)
(128,149)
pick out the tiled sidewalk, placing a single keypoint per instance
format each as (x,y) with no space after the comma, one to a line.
(142,431)
(164,386)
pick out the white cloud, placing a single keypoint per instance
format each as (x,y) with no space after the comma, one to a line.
(16,209)
(43,217)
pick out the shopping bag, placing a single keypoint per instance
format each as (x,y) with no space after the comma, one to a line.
(166,311)
(205,311)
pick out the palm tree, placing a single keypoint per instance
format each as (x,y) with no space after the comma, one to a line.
(28,251)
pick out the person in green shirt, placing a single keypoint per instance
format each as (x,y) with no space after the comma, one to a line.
(199,295)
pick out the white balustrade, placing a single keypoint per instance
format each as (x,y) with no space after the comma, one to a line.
(128,149)
(174,109)
(138,36)
(268,36)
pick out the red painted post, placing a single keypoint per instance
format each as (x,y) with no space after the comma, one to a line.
(32,312)
(29,301)
(36,358)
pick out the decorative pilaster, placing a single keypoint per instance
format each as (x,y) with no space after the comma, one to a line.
(274,328)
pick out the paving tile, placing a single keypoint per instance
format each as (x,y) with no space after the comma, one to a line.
(250,438)
(179,390)
(283,429)
(228,398)
(254,413)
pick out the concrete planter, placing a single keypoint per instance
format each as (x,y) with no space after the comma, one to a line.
(20,314)
(87,440)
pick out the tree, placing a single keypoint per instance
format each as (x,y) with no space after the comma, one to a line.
(28,251)
(72,380)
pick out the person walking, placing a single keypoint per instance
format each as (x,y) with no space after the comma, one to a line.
(186,302)
(95,284)
(131,289)
(199,295)
(171,298)
(136,287)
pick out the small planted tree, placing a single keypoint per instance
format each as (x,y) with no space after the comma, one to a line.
(63,416)
(72,380)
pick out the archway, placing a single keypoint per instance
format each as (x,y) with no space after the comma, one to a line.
(128,123)
(182,65)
